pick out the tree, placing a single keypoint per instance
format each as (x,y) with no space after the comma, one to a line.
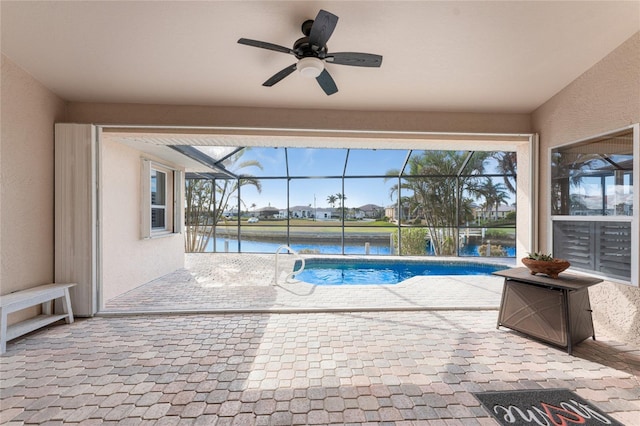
(507,165)
(331,199)
(495,194)
(567,169)
(206,200)
(439,191)
(342,209)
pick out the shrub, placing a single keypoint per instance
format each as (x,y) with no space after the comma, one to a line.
(496,250)
(414,241)
(309,251)
(496,234)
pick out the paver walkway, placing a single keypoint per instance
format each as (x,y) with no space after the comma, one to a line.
(231,282)
(306,368)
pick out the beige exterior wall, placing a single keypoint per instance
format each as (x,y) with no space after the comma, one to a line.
(297,119)
(28,112)
(127,260)
(605,98)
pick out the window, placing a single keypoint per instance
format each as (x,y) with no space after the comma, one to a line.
(161,189)
(158,200)
(594,207)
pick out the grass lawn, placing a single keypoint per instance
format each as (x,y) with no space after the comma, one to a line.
(303,225)
(355,226)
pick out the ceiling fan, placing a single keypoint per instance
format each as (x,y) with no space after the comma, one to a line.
(312,53)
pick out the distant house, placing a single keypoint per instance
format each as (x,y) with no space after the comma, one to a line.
(324,214)
(481,213)
(391,211)
(306,212)
(301,212)
(268,212)
(369,211)
(232,212)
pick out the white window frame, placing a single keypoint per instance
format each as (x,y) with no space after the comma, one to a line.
(634,219)
(162,181)
(173,193)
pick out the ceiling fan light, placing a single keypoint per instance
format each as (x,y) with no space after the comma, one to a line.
(310,67)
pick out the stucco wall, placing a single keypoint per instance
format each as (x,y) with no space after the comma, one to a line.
(605,98)
(29,112)
(128,260)
(296,118)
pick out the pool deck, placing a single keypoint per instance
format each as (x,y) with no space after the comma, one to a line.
(406,359)
(226,282)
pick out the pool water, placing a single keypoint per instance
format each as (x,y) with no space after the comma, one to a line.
(358,271)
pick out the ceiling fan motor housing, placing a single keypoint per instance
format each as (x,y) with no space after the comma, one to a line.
(303,48)
(306,27)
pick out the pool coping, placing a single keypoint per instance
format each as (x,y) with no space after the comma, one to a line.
(235,284)
(501,262)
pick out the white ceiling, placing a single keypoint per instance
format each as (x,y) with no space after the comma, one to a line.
(438,56)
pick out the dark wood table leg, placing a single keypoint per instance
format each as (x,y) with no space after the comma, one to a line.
(567,316)
(504,290)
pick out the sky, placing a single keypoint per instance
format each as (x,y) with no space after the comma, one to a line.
(320,163)
(309,167)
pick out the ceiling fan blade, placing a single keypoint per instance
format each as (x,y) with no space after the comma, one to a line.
(355,59)
(280,75)
(326,82)
(265,45)
(322,28)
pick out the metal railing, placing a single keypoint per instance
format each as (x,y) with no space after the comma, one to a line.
(288,276)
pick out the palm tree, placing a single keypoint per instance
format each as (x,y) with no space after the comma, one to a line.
(207,199)
(507,165)
(437,187)
(495,194)
(566,171)
(343,210)
(331,199)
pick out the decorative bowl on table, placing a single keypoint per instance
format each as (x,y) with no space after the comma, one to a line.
(545,264)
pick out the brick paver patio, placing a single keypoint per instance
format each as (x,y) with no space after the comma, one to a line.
(378,367)
(231,283)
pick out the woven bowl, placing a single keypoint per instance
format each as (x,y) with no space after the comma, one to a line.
(548,267)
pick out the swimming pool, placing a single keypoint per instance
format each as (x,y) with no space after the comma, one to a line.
(385,271)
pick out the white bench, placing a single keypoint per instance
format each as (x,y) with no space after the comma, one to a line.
(22,299)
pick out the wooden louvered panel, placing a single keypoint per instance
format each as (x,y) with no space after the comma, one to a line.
(573,241)
(614,249)
(595,246)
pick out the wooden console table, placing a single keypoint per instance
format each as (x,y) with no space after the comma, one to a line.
(556,311)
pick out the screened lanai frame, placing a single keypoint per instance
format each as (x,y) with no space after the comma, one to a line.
(160,142)
(395,244)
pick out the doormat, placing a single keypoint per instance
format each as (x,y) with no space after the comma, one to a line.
(542,407)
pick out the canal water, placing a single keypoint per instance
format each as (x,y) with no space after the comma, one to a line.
(252,246)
